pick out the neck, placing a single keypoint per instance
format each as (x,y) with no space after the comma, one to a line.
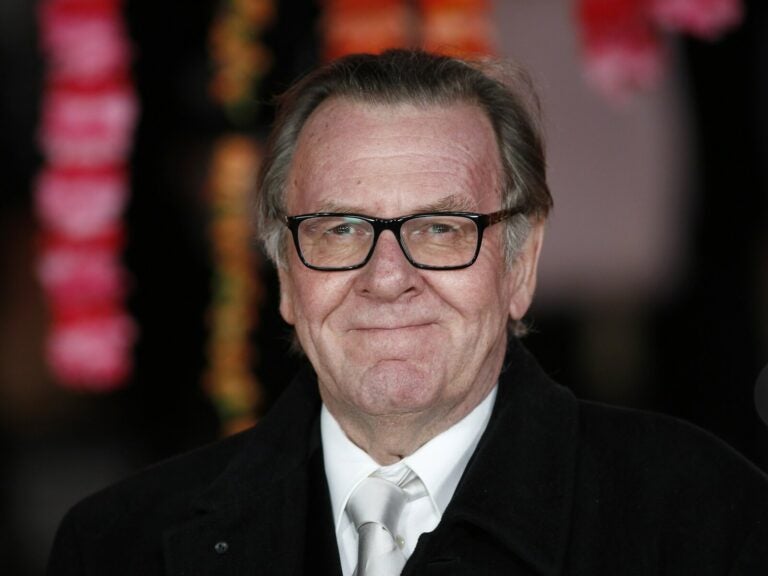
(388,438)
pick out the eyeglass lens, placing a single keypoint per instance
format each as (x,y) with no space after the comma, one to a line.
(343,241)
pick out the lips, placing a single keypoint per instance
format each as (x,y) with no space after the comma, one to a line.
(390,327)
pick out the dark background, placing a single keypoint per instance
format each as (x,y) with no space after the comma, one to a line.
(702,346)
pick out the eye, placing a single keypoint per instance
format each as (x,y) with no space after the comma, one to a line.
(429,227)
(345,228)
(334,230)
(439,228)
(340,230)
(439,231)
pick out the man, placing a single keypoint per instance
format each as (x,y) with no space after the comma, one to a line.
(403,200)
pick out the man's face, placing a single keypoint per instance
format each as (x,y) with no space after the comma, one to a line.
(389,339)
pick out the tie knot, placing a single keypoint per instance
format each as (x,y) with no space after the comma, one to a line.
(381,500)
(376,500)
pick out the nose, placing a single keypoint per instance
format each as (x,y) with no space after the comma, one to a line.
(388,275)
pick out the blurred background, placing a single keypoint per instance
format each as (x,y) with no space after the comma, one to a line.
(653,290)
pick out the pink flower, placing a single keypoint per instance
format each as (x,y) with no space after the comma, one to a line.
(704,18)
(81,277)
(93,353)
(88,129)
(80,204)
(84,47)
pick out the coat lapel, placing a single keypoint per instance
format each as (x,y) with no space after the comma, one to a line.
(514,502)
(262,539)
(253,518)
(321,550)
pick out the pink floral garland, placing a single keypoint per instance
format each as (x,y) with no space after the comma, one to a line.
(622,39)
(88,116)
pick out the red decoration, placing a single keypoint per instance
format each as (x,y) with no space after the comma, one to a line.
(89,112)
(80,203)
(365,26)
(95,350)
(88,127)
(707,19)
(622,49)
(622,39)
(457,27)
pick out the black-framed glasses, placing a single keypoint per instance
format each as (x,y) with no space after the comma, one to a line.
(333,241)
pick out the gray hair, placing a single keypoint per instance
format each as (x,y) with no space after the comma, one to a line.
(503,90)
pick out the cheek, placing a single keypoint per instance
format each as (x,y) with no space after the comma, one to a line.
(317,295)
(480,297)
(486,285)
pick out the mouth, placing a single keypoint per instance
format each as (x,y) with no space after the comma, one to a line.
(403,342)
(392,329)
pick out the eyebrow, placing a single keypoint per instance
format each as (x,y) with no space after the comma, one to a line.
(452,203)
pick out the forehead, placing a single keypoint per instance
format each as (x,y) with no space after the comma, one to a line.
(394,157)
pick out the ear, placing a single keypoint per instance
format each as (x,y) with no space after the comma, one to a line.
(524,272)
(286,295)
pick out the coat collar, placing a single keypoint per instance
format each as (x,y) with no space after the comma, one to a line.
(518,487)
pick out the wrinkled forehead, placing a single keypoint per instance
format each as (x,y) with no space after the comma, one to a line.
(345,143)
(337,118)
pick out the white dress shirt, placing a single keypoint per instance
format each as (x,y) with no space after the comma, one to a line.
(439,463)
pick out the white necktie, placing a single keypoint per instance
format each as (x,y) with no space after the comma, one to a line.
(374,508)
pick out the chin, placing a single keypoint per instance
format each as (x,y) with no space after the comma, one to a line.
(397,386)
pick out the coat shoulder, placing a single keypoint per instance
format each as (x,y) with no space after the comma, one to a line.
(158,494)
(624,440)
(653,478)
(124,529)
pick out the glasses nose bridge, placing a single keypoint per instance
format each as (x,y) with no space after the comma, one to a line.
(394,225)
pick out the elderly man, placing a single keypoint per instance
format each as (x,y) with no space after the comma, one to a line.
(403,200)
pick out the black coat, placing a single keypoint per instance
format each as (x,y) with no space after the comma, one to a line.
(556,486)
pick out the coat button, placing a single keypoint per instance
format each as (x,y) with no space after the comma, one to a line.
(221,547)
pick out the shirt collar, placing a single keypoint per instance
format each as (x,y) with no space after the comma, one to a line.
(439,463)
